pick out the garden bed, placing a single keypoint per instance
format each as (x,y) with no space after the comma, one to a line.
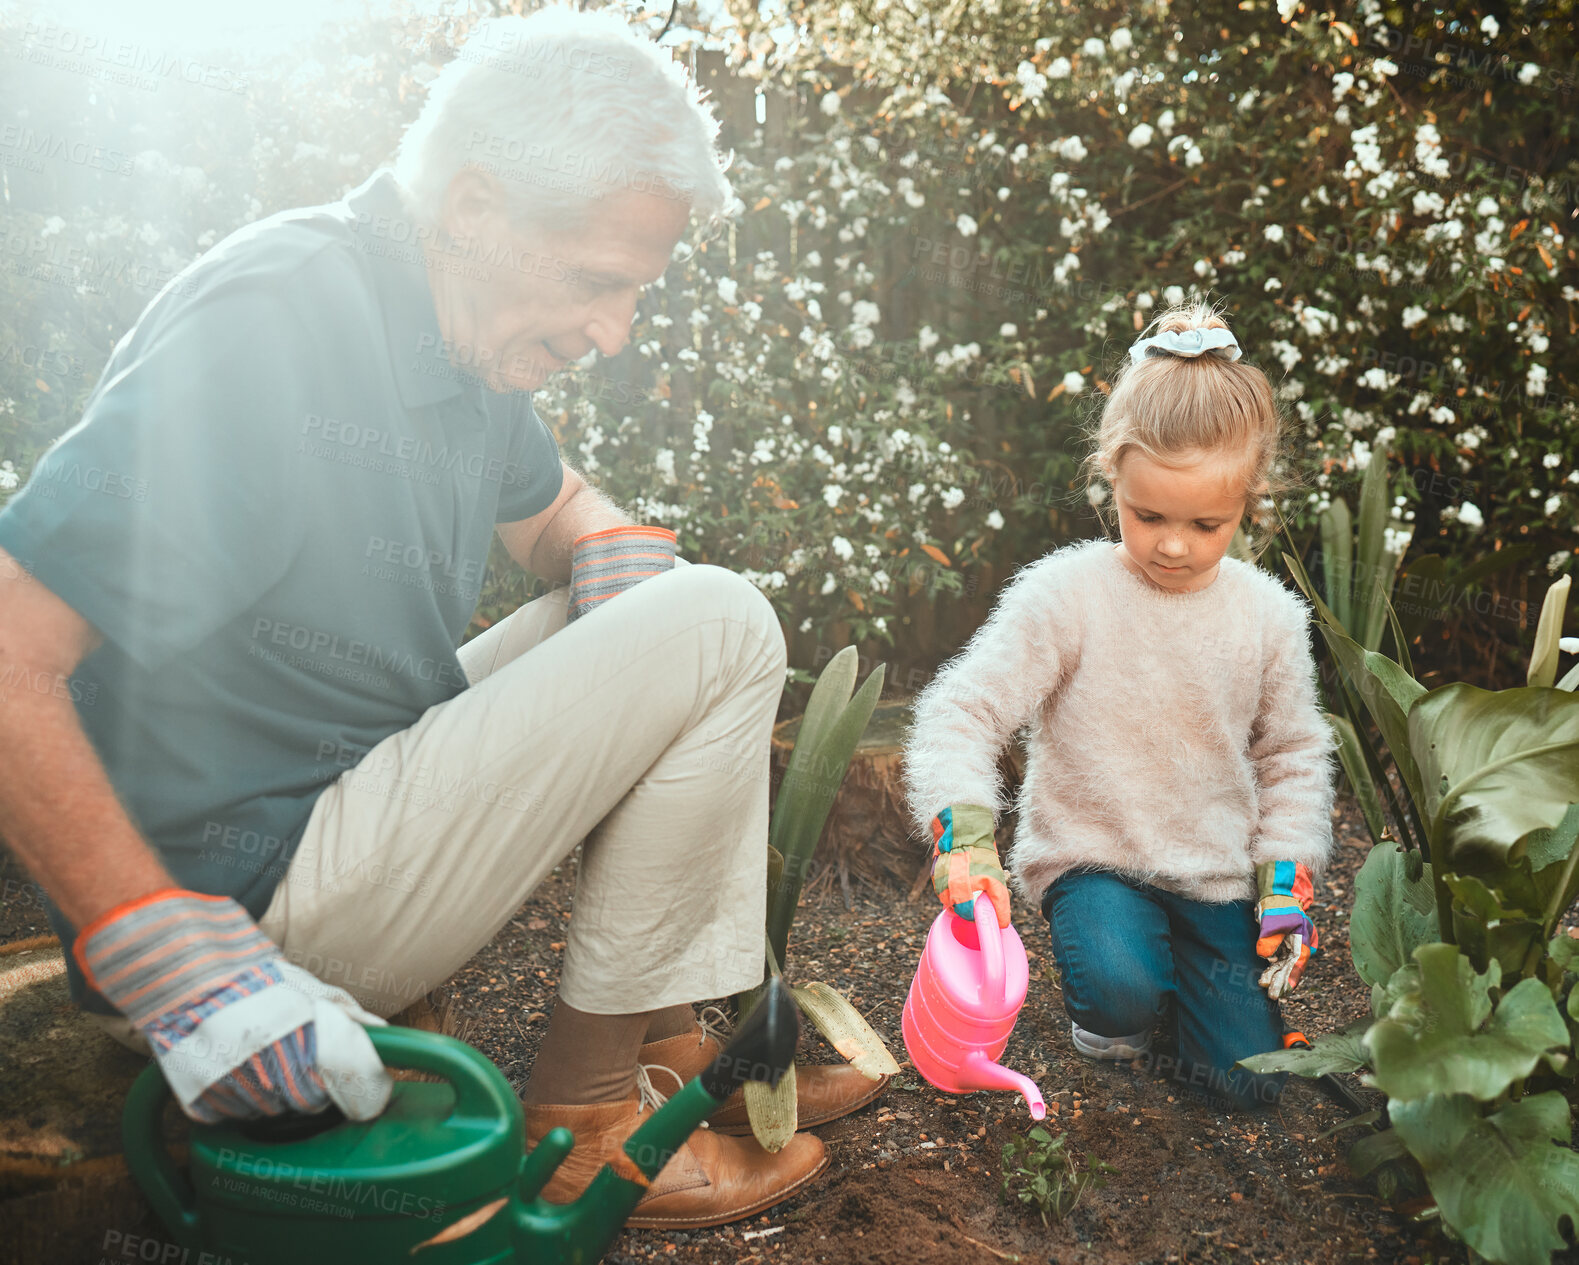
(915,1177)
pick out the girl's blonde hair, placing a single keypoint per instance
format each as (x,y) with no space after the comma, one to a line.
(1172,407)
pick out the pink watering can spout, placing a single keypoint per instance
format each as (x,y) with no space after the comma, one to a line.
(967,992)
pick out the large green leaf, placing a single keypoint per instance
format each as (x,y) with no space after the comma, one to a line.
(1549,845)
(1503,1181)
(1330,1052)
(1388,693)
(1543,660)
(1436,1045)
(1393,916)
(1352,757)
(847,1031)
(1494,765)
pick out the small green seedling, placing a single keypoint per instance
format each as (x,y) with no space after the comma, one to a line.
(1037,1170)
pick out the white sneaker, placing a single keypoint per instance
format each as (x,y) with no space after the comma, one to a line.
(1116,1048)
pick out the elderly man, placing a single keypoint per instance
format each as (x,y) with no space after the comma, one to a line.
(276,800)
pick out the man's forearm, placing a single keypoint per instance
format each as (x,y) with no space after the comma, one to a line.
(59,813)
(587,511)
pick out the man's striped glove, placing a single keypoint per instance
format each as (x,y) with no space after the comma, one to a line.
(606,563)
(1287,936)
(966,861)
(237,1030)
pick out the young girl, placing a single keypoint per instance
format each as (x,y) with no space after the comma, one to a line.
(1178,781)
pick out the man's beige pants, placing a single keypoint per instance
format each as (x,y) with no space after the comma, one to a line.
(642,730)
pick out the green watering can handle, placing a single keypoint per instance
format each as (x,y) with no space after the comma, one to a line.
(480,1092)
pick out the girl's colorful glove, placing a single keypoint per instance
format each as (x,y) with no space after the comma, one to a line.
(237,1030)
(606,563)
(1287,935)
(966,861)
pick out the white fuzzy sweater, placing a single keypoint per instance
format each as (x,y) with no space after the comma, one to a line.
(1173,737)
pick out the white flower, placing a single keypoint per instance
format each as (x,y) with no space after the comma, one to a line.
(1385,66)
(1032,82)
(1442,415)
(927,339)
(1428,203)
(952,498)
(1285,9)
(1071,148)
(805,624)
(1121,39)
(1316,322)
(1094,47)
(995,521)
(1202,267)
(1486,206)
(1552,505)
(830,103)
(1412,316)
(1074,383)
(1140,136)
(1341,83)
(814,309)
(830,582)
(728,290)
(1287,354)
(1096,493)
(831,495)
(1272,283)
(835,434)
(1008,330)
(966,225)
(1535,380)
(1428,151)
(1551,461)
(52,226)
(1173,296)
(8,476)
(1060,69)
(865,312)
(843,548)
(1377,379)
(1469,514)
(1489,25)
(1529,73)
(1273,232)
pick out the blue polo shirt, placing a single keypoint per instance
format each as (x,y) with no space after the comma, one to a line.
(277,509)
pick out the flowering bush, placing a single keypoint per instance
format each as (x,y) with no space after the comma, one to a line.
(953,222)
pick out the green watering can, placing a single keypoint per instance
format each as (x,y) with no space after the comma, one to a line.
(439,1178)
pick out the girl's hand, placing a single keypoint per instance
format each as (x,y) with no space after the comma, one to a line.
(1287,936)
(966,861)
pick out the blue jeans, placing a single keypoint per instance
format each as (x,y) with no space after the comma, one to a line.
(1130,954)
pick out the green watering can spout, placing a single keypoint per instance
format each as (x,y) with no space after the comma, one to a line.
(439,1178)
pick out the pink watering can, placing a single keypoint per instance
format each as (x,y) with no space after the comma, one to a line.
(968,990)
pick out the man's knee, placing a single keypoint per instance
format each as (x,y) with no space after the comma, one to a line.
(713,590)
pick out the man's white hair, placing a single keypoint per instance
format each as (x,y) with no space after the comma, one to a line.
(564,108)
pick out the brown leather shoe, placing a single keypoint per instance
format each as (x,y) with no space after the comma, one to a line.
(823,1092)
(708,1181)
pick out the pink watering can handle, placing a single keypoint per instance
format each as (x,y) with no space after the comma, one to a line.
(990,936)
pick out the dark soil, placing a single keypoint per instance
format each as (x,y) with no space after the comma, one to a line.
(916,1176)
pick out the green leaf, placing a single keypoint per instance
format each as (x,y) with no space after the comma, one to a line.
(1435,1045)
(1543,660)
(1374,567)
(1352,758)
(772,1111)
(817,765)
(1486,928)
(1551,844)
(1494,765)
(1331,1052)
(1353,1122)
(1388,693)
(1371,1152)
(1392,915)
(1503,1181)
(1337,559)
(846,1030)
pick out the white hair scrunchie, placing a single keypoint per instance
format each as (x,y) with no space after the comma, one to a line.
(1189,342)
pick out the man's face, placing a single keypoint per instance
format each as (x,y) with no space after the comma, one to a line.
(546,294)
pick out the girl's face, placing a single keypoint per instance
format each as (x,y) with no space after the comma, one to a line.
(1176,522)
